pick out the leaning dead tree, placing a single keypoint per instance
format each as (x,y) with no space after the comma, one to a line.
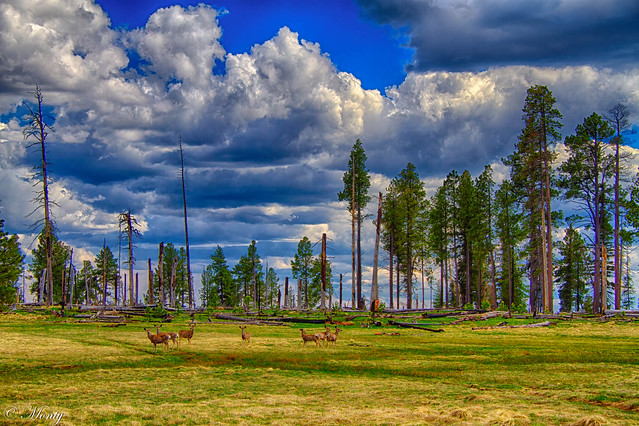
(186,230)
(37,129)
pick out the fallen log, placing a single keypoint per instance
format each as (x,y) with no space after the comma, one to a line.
(478,317)
(417,326)
(232,317)
(252,321)
(535,325)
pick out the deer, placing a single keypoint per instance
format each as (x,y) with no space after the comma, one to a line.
(246,337)
(332,337)
(172,336)
(186,334)
(324,335)
(310,338)
(156,339)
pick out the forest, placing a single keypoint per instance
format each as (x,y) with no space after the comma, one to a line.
(476,242)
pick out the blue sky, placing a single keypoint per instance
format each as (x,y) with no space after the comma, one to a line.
(376,54)
(268,99)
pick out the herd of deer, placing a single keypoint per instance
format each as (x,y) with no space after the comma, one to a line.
(163,338)
(325,336)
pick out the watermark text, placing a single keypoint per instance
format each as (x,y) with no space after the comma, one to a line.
(33,412)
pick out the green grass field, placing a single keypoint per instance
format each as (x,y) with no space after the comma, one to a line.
(576,372)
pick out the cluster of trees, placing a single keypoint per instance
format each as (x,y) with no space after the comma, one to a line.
(250,284)
(494,244)
(11,261)
(102,281)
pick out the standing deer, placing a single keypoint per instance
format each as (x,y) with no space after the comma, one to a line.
(332,337)
(246,337)
(186,334)
(155,339)
(323,336)
(172,336)
(310,338)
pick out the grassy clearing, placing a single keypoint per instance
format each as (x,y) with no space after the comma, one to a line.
(565,374)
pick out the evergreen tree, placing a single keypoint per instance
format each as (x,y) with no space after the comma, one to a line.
(572,270)
(106,268)
(59,255)
(483,232)
(451,191)
(618,118)
(11,260)
(411,194)
(586,176)
(208,292)
(301,268)
(468,214)
(356,185)
(438,240)
(531,173)
(217,286)
(272,288)
(247,274)
(510,233)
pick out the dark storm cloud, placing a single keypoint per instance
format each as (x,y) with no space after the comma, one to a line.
(285,185)
(474,35)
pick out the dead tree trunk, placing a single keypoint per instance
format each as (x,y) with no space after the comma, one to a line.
(323,274)
(161,276)
(186,231)
(173,279)
(71,276)
(374,285)
(286,293)
(104,278)
(150,283)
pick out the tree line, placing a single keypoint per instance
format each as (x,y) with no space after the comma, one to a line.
(494,244)
(490,244)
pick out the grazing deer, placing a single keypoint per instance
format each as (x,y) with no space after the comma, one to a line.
(246,337)
(332,337)
(324,335)
(310,338)
(155,339)
(186,334)
(172,336)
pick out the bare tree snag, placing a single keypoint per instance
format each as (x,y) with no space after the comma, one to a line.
(323,273)
(37,129)
(186,230)
(161,276)
(150,283)
(374,285)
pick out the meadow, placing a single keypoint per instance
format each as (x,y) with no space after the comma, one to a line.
(57,370)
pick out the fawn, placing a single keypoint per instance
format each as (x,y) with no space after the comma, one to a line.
(310,338)
(332,337)
(155,339)
(186,334)
(246,337)
(172,336)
